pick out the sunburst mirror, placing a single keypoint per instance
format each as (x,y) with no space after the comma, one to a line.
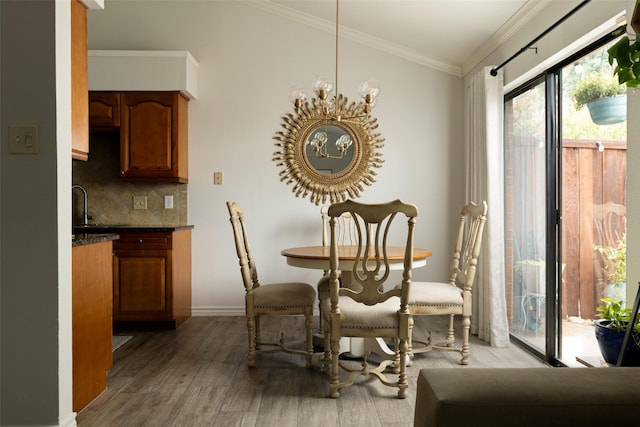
(328,154)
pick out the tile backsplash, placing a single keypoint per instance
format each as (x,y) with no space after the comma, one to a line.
(110,200)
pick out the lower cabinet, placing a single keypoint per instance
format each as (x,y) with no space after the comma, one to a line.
(91,318)
(152,279)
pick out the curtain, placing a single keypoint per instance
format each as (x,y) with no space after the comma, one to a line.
(484,180)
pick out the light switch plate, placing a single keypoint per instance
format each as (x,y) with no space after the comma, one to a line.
(168,202)
(23,139)
(217,178)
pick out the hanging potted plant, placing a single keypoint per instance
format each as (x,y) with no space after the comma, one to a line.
(610,330)
(605,98)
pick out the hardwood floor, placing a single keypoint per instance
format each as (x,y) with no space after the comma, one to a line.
(197,376)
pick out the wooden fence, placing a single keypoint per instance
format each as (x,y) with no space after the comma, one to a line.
(591,178)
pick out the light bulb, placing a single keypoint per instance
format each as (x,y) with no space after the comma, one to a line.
(343,143)
(297,93)
(369,87)
(322,83)
(321,137)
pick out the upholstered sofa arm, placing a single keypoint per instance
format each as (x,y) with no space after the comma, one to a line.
(528,397)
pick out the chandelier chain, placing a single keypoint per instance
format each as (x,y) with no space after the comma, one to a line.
(337,33)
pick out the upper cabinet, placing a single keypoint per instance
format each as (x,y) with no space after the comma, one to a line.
(79,82)
(153,130)
(104,111)
(153,136)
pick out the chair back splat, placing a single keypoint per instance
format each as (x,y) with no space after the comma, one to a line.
(468,244)
(345,236)
(363,307)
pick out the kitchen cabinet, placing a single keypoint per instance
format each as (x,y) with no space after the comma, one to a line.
(152,279)
(92,287)
(153,136)
(79,82)
(104,111)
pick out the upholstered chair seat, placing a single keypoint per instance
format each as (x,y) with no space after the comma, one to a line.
(284,295)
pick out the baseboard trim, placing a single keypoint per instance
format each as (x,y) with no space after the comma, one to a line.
(217,311)
(69,420)
(222,311)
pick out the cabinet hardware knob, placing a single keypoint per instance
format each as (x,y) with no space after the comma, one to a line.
(140,241)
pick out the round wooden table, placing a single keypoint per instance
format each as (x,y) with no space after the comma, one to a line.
(317,257)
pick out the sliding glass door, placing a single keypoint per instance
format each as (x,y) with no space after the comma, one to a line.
(565,194)
(526,204)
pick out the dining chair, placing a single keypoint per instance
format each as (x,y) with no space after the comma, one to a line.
(275,299)
(609,230)
(346,236)
(453,297)
(364,308)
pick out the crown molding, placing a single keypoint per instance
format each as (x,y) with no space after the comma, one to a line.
(525,14)
(359,37)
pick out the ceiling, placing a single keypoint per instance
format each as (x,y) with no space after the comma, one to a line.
(450,35)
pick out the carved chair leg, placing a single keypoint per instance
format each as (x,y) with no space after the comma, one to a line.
(334,378)
(450,334)
(403,383)
(308,322)
(326,359)
(251,330)
(466,325)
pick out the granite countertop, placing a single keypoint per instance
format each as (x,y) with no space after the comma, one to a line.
(96,233)
(117,228)
(87,239)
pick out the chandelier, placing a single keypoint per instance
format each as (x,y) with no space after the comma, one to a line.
(328,146)
(331,109)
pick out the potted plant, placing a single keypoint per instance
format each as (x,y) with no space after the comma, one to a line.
(610,330)
(605,98)
(615,258)
(533,274)
(625,54)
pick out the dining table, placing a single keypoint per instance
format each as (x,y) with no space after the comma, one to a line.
(317,258)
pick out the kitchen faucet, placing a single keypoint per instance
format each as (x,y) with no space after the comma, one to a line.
(85,213)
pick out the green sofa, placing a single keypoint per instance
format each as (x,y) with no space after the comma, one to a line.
(468,396)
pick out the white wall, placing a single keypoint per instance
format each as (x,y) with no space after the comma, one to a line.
(35,249)
(248,59)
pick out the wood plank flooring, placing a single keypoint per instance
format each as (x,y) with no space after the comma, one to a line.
(197,376)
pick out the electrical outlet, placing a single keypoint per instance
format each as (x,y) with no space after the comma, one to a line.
(139,202)
(217,178)
(168,202)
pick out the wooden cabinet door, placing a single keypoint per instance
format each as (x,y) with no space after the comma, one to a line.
(141,285)
(153,136)
(79,82)
(104,111)
(92,319)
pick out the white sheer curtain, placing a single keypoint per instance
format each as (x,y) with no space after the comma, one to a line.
(485,181)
